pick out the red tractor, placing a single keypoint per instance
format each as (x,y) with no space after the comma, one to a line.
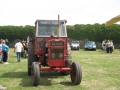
(50,51)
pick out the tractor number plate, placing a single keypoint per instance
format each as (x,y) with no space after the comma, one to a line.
(57,44)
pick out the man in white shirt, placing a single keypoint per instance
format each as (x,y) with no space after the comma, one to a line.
(18,48)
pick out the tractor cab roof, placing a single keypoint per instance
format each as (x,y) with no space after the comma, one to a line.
(45,27)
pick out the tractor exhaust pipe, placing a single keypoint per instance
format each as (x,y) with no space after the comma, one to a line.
(58,26)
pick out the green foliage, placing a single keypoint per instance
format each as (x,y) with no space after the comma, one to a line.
(96,32)
(16,32)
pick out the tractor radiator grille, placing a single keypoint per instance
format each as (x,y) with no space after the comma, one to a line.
(57,54)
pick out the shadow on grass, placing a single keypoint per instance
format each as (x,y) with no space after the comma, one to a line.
(45,78)
(67,83)
(87,50)
(51,75)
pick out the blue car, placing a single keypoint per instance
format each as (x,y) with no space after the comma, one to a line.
(90,45)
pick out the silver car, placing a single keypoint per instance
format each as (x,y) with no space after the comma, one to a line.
(75,45)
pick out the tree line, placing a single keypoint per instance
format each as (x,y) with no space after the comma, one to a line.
(96,32)
(16,32)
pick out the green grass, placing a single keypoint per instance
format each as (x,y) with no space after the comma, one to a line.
(100,70)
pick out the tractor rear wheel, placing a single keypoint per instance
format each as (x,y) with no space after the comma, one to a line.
(35,73)
(31,56)
(76,73)
(68,60)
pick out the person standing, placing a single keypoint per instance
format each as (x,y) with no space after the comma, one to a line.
(27,40)
(0,51)
(111,46)
(24,46)
(5,49)
(7,42)
(104,45)
(108,46)
(18,48)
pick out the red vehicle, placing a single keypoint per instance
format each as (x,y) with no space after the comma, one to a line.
(50,48)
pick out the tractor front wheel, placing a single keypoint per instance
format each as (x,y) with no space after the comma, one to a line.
(76,73)
(35,73)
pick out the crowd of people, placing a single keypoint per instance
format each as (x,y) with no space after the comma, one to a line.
(18,47)
(107,45)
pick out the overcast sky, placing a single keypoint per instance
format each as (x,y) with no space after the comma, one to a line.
(26,12)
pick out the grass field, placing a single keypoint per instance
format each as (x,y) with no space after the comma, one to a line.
(100,70)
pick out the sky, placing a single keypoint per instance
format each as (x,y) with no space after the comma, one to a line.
(26,12)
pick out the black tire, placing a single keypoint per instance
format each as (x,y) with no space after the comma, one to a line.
(35,74)
(68,60)
(76,73)
(94,49)
(80,69)
(31,56)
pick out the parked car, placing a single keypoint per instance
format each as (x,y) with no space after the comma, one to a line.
(90,45)
(75,45)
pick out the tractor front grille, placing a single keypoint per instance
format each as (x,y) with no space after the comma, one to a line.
(57,53)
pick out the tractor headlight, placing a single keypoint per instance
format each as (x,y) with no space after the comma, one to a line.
(60,55)
(53,55)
